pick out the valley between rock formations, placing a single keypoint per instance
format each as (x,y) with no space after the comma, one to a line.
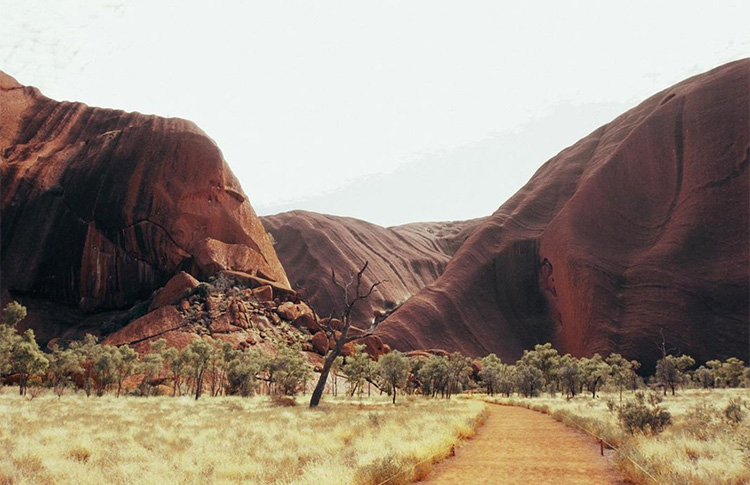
(637,233)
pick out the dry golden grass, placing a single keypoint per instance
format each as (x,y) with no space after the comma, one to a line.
(699,448)
(81,440)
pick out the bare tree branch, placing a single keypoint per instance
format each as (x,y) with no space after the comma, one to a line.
(346,324)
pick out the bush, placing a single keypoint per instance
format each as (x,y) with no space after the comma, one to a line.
(637,416)
(701,421)
(384,468)
(202,290)
(733,413)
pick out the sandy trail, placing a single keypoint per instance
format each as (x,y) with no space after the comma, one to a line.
(519,446)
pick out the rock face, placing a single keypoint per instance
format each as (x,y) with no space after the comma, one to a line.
(404,258)
(101,207)
(638,230)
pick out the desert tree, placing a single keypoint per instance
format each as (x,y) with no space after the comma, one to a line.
(8,337)
(352,292)
(87,350)
(704,377)
(568,375)
(358,368)
(125,365)
(546,359)
(506,381)
(594,373)
(106,363)
(635,379)
(714,367)
(63,365)
(433,375)
(394,368)
(12,315)
(731,371)
(242,371)
(529,379)
(620,369)
(290,370)
(490,373)
(178,366)
(199,355)
(670,371)
(151,365)
(221,353)
(27,359)
(459,369)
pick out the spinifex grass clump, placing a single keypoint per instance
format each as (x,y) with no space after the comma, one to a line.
(79,440)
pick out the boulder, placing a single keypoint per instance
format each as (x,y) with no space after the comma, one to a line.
(320,343)
(177,288)
(263,293)
(289,311)
(280,290)
(149,326)
(307,321)
(332,323)
(373,345)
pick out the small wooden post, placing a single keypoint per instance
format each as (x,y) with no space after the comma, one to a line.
(601,446)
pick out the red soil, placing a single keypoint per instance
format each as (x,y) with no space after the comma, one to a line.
(517,445)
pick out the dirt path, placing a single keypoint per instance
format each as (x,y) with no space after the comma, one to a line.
(519,446)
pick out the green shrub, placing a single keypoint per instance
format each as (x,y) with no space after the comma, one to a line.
(637,416)
(202,290)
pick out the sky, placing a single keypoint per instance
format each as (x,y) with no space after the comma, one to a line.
(388,111)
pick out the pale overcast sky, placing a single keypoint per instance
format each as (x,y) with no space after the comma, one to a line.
(387,111)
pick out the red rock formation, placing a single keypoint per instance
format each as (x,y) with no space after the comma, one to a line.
(175,290)
(101,207)
(638,230)
(404,258)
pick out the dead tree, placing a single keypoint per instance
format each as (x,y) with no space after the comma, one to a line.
(352,294)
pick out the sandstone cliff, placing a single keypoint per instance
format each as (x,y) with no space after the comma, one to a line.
(101,207)
(636,231)
(404,258)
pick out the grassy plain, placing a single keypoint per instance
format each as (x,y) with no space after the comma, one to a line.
(700,447)
(79,440)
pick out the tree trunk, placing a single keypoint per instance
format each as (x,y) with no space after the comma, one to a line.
(198,384)
(320,386)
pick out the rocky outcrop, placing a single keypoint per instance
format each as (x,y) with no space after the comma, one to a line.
(180,286)
(101,207)
(637,231)
(403,258)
